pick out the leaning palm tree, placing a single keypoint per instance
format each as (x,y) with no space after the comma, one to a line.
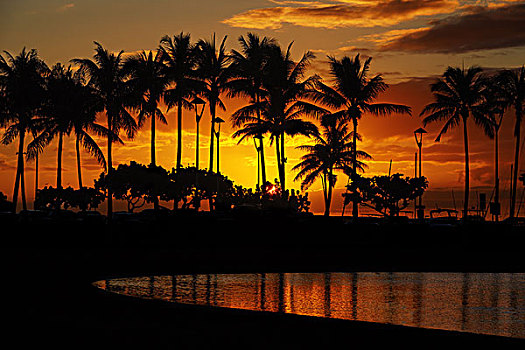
(179,56)
(249,68)
(352,95)
(459,95)
(147,77)
(106,75)
(214,70)
(513,83)
(333,150)
(282,107)
(22,87)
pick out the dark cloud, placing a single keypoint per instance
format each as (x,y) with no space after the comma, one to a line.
(483,29)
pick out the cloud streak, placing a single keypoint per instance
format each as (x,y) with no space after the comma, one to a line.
(481,28)
(340,14)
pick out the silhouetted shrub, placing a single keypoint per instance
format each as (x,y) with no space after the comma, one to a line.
(85,198)
(5,205)
(386,194)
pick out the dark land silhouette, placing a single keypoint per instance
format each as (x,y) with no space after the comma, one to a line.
(54,262)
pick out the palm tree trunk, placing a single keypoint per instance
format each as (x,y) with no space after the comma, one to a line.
(278,154)
(261,145)
(496,170)
(282,169)
(517,132)
(153,162)
(467,177)
(179,134)
(110,166)
(325,193)
(23,186)
(59,160)
(36,180)
(330,189)
(20,165)
(355,207)
(212,135)
(79,168)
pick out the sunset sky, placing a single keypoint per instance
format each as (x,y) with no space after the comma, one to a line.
(411,42)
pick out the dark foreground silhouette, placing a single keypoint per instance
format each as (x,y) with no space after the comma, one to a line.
(51,267)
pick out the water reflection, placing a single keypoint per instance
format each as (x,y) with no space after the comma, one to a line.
(472,302)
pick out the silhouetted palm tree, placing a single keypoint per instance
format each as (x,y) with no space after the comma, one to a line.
(495,105)
(148,79)
(459,94)
(69,106)
(213,68)
(88,104)
(333,150)
(352,95)
(179,56)
(107,76)
(513,83)
(281,107)
(22,87)
(249,67)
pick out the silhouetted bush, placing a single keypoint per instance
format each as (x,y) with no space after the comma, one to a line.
(5,205)
(387,195)
(85,198)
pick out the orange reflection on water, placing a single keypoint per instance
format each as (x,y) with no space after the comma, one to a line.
(471,302)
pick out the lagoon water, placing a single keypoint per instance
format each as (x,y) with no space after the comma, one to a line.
(485,303)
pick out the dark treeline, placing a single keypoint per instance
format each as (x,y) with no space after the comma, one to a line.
(282,101)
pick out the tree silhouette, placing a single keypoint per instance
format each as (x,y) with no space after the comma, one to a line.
(22,90)
(213,68)
(249,67)
(513,84)
(107,76)
(333,150)
(179,56)
(458,95)
(149,81)
(352,95)
(68,107)
(388,195)
(281,107)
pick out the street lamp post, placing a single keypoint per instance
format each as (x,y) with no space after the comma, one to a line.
(218,121)
(258,148)
(418,134)
(197,101)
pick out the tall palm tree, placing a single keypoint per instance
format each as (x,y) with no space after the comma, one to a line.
(458,95)
(249,67)
(333,150)
(352,95)
(214,70)
(147,77)
(495,106)
(513,83)
(22,86)
(87,104)
(69,107)
(281,106)
(179,56)
(106,75)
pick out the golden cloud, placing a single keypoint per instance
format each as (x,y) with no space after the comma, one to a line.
(341,14)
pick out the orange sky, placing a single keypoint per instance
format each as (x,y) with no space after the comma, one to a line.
(412,42)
